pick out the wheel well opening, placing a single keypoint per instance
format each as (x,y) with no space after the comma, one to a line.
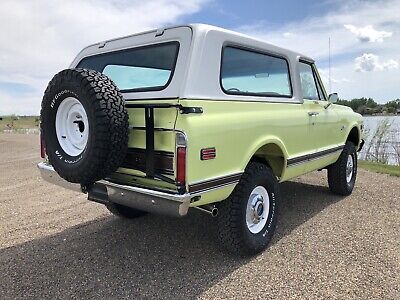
(272,155)
(354,136)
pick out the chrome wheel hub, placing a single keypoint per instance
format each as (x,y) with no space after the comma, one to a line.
(257,209)
(349,168)
(72,126)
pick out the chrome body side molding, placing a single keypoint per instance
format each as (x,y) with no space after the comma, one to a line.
(308,157)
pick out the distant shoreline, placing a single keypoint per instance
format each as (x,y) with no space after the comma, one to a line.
(381,115)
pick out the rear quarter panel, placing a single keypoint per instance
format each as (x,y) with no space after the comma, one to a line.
(237,130)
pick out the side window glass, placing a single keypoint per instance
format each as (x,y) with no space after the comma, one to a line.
(245,72)
(319,85)
(308,86)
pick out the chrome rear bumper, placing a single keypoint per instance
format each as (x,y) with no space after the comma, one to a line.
(139,198)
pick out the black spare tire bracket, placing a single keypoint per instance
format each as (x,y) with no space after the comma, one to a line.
(149,125)
(149,120)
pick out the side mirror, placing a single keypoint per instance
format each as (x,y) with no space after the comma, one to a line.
(333,98)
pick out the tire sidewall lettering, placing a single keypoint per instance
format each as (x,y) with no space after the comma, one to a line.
(60,94)
(67,161)
(271,216)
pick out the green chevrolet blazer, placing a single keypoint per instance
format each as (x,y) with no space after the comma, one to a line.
(195,117)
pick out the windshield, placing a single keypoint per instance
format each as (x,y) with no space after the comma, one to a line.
(148,68)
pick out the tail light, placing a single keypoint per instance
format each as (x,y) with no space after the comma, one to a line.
(42,146)
(181,165)
(180,158)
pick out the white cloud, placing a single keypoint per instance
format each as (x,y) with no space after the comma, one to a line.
(366,63)
(310,37)
(287,34)
(390,64)
(324,73)
(368,33)
(369,62)
(39,38)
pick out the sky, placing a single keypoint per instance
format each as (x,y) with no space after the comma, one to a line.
(38,38)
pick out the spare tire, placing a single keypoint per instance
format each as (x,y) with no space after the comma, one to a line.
(84,124)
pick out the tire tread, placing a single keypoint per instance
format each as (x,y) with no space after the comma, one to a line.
(337,172)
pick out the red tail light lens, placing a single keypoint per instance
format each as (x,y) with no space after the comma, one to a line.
(181,165)
(42,147)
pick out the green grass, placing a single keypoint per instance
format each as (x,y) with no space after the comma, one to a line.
(379,168)
(21,122)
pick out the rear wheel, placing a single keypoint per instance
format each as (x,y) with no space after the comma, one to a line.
(342,174)
(247,219)
(124,211)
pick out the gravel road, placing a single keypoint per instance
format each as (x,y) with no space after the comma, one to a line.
(56,244)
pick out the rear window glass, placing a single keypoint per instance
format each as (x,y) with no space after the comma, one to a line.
(148,68)
(245,72)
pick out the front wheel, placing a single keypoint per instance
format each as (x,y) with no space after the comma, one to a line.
(342,174)
(247,219)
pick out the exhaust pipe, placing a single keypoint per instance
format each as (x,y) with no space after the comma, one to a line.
(212,210)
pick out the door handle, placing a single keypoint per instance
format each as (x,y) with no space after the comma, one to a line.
(313,113)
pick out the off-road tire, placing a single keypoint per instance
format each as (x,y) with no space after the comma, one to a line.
(337,172)
(124,211)
(233,232)
(108,125)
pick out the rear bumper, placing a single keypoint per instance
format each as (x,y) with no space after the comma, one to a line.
(139,198)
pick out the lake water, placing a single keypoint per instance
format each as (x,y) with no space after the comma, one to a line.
(388,146)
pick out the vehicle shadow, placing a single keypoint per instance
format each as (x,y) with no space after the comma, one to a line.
(150,257)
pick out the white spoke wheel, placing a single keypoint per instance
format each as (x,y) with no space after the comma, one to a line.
(257,209)
(349,168)
(72,126)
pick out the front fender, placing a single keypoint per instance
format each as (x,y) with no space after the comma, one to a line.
(354,125)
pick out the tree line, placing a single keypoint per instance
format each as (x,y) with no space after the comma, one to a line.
(368,106)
